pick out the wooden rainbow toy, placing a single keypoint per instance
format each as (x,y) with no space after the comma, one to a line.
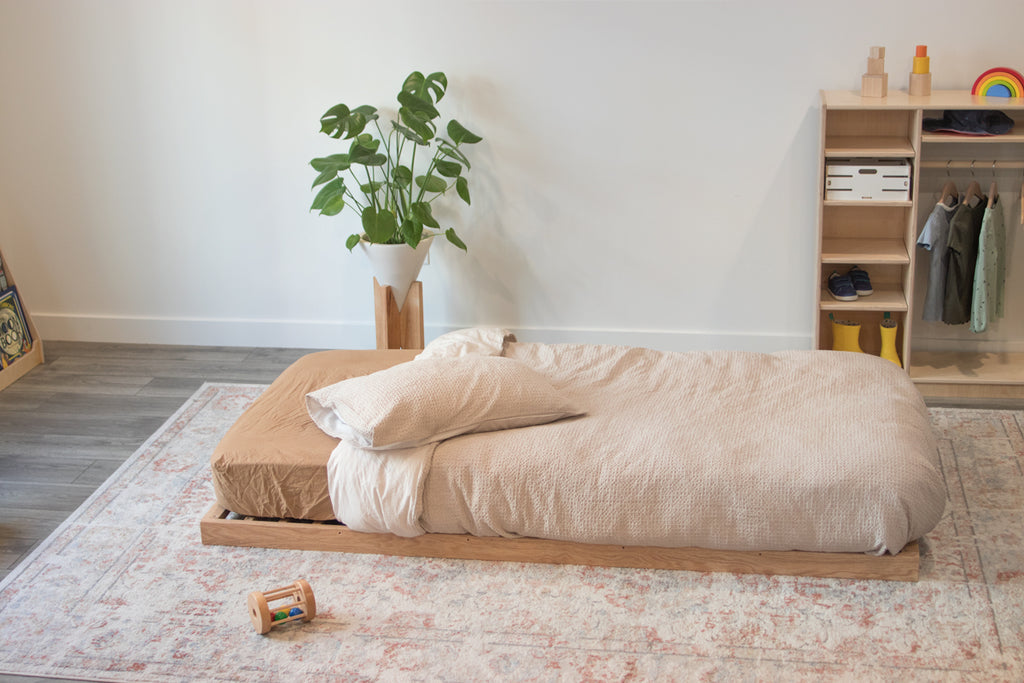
(301,605)
(999,82)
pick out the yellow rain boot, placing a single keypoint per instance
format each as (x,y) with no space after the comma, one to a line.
(888,332)
(846,336)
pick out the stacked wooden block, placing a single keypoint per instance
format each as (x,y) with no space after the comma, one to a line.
(875,83)
(921,77)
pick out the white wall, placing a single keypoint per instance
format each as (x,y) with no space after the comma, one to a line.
(648,173)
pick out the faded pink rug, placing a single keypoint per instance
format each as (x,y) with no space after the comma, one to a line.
(124,591)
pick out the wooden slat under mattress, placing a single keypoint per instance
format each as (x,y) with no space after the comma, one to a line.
(218,529)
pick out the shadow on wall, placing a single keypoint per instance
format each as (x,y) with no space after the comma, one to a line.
(495,282)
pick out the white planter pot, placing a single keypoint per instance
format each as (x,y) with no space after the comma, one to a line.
(396,265)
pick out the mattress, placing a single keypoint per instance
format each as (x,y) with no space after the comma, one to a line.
(272,461)
(803,450)
(798,450)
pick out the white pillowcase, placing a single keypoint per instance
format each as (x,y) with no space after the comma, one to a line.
(434,399)
(483,341)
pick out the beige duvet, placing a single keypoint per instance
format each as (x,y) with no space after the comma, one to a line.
(803,450)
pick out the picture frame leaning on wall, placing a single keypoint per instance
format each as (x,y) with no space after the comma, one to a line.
(15,337)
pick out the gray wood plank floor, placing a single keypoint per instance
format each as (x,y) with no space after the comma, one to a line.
(69,423)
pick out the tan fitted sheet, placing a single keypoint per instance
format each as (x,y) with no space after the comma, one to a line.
(272,462)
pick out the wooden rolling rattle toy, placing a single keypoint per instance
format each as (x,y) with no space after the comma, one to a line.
(301,605)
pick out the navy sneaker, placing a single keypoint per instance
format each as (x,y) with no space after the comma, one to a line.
(841,287)
(861,281)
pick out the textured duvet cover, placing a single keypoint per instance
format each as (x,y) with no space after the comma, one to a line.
(802,450)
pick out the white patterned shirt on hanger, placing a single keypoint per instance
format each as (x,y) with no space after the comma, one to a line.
(989,269)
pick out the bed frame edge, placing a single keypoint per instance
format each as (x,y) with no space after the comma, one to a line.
(216,529)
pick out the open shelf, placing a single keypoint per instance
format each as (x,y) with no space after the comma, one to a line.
(887,299)
(840,100)
(963,367)
(953,139)
(860,203)
(963,374)
(883,146)
(864,250)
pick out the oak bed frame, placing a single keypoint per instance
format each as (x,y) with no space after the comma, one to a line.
(217,529)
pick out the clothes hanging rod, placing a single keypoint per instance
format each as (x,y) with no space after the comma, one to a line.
(976,165)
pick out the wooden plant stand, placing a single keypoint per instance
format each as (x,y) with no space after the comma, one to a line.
(21,365)
(398,328)
(217,529)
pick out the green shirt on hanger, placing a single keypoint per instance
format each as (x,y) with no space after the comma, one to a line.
(989,269)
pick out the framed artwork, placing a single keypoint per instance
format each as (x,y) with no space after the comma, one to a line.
(15,338)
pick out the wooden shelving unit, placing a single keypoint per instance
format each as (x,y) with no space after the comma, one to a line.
(881,236)
(34,356)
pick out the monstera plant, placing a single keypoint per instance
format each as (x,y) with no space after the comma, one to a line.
(381,176)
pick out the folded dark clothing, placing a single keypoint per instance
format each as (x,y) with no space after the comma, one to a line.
(970,122)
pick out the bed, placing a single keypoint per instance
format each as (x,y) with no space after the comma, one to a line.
(801,462)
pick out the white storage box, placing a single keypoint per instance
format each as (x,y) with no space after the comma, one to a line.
(867,179)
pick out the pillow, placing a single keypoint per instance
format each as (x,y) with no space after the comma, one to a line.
(433,399)
(481,341)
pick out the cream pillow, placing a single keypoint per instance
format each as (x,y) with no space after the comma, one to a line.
(436,398)
(482,341)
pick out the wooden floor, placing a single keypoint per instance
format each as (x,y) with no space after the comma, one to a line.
(69,423)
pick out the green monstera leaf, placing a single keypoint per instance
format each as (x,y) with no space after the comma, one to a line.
(449,169)
(459,134)
(412,232)
(431,183)
(427,88)
(330,200)
(402,175)
(340,121)
(422,213)
(454,239)
(462,188)
(379,226)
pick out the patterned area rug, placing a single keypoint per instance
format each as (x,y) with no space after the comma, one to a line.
(125,591)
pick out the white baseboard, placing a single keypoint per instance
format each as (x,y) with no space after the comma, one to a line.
(314,334)
(668,340)
(308,334)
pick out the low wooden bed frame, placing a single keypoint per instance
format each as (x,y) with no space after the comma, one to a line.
(217,529)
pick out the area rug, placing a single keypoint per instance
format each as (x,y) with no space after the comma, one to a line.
(125,591)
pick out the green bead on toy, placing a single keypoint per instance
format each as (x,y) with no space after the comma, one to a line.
(278,616)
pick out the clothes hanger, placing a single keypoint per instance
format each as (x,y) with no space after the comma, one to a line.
(993,191)
(949,193)
(973,191)
(974,194)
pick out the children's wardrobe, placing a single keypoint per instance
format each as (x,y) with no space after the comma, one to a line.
(880,235)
